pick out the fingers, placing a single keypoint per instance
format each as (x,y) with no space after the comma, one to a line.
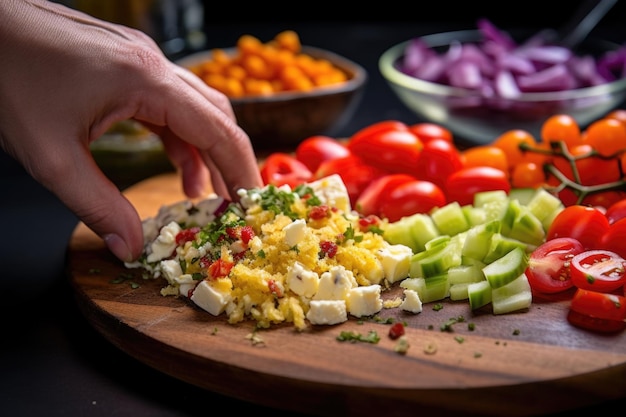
(86,191)
(194,113)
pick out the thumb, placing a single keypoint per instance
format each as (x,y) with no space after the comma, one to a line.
(98,203)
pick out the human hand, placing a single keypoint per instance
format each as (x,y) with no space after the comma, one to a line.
(67,77)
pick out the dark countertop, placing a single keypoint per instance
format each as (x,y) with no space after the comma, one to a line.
(52,361)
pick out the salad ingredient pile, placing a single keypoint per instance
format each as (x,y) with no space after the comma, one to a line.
(283,255)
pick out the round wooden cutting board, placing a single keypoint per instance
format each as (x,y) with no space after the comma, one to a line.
(520,364)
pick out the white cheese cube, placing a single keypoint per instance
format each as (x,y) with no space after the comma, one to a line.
(411,302)
(327,312)
(165,243)
(170,269)
(396,260)
(364,301)
(209,299)
(294,232)
(302,281)
(332,191)
(335,284)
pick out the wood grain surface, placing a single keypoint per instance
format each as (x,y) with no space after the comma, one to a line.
(522,364)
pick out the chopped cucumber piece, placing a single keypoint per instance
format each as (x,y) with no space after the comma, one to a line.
(523,195)
(526,227)
(478,239)
(479,294)
(450,219)
(485,197)
(436,288)
(543,203)
(507,268)
(466,274)
(412,231)
(514,296)
(459,291)
(501,245)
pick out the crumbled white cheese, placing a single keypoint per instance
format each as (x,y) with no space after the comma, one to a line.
(302,281)
(411,302)
(396,260)
(209,299)
(294,232)
(327,312)
(335,284)
(365,300)
(332,192)
(165,243)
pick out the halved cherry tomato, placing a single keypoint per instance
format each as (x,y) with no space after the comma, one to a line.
(428,131)
(281,168)
(583,223)
(377,191)
(391,150)
(354,172)
(410,198)
(464,183)
(597,311)
(314,150)
(438,159)
(548,269)
(598,270)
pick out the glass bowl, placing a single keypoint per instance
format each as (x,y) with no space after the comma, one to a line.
(478,119)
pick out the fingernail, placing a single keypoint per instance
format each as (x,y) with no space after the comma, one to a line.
(119,248)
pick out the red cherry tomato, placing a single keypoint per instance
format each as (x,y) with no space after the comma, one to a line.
(614,239)
(314,150)
(377,191)
(428,131)
(597,311)
(378,128)
(464,183)
(281,168)
(616,211)
(548,269)
(583,223)
(391,150)
(410,198)
(439,158)
(354,172)
(598,270)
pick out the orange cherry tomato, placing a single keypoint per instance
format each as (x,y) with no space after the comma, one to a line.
(561,128)
(485,155)
(606,136)
(527,175)
(510,142)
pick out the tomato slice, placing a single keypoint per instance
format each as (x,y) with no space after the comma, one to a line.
(377,191)
(598,270)
(281,168)
(598,311)
(548,269)
(410,198)
(594,323)
(314,150)
(464,183)
(583,223)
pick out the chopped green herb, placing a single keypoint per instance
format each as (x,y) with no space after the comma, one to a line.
(438,307)
(353,337)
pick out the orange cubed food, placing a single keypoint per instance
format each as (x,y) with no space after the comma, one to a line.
(288,40)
